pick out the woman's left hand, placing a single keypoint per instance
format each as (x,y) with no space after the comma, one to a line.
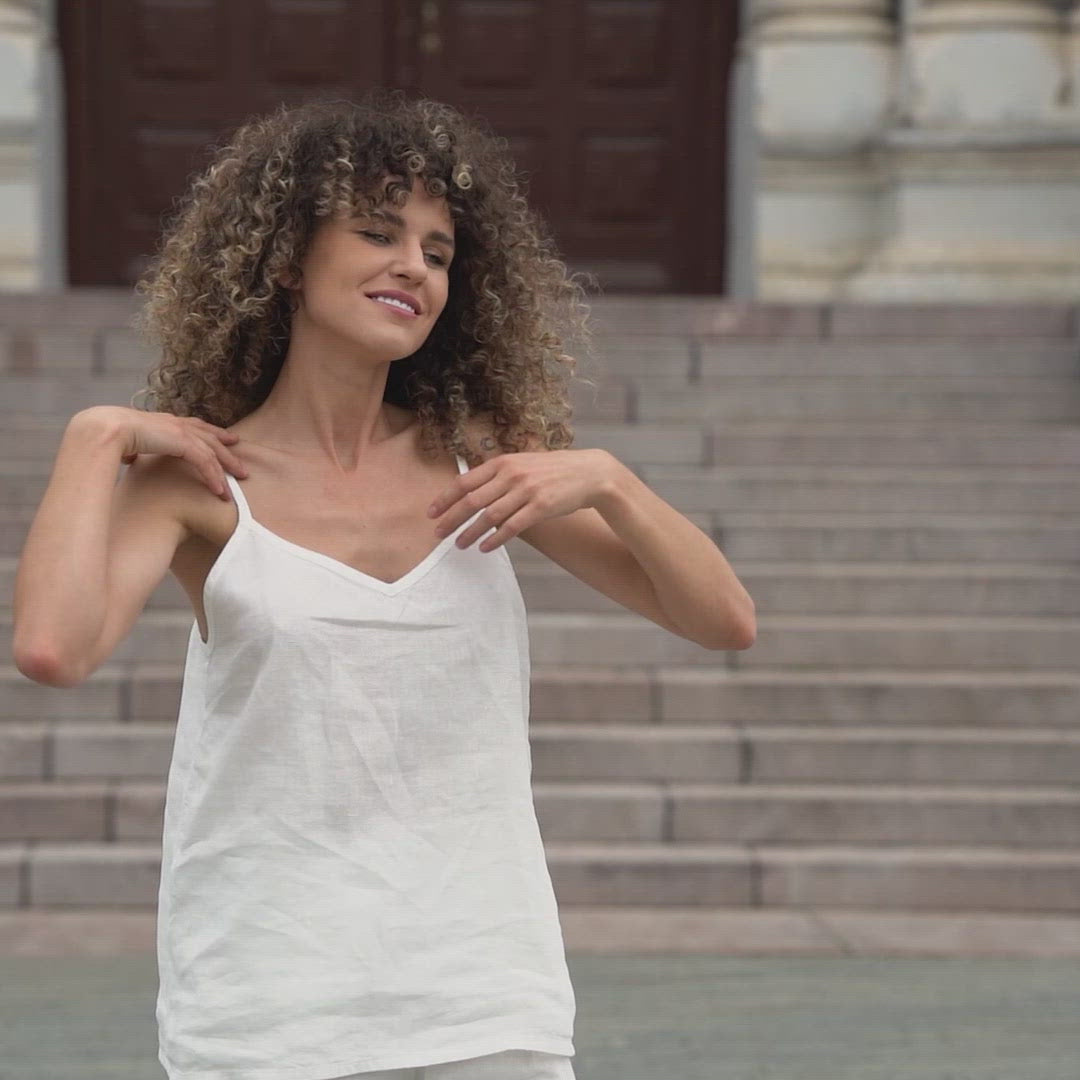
(515,491)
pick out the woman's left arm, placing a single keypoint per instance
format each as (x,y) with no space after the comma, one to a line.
(593,516)
(692,579)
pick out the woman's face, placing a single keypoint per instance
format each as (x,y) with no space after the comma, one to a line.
(352,260)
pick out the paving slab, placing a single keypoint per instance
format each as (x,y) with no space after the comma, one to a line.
(646,1017)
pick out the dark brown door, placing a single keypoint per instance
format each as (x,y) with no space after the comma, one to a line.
(615,111)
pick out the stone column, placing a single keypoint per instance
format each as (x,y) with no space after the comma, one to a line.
(825,81)
(22,227)
(984,167)
(983,63)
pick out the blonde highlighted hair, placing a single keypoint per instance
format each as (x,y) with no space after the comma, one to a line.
(214,308)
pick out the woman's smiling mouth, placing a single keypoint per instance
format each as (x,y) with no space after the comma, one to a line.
(399,301)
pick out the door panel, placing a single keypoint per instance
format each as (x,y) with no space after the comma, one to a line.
(614,110)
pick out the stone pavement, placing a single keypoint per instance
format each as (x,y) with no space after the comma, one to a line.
(648,1017)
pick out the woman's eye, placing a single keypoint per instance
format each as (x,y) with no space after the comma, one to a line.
(439,260)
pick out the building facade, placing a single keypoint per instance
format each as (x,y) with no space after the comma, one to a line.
(916,149)
(872,149)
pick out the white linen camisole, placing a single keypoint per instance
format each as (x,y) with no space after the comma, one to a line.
(352,874)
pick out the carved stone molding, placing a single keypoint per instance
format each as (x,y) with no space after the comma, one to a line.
(986,62)
(978,215)
(821,20)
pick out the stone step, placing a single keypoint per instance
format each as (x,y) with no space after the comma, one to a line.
(924,589)
(718,359)
(837,875)
(882,444)
(747,813)
(789,397)
(730,931)
(665,695)
(833,642)
(70,308)
(55,396)
(624,751)
(35,440)
(810,538)
(600,929)
(804,537)
(82,349)
(784,588)
(665,313)
(856,588)
(836,642)
(834,443)
(652,694)
(811,488)
(90,874)
(58,397)
(710,358)
(849,489)
(110,348)
(821,814)
(705,316)
(791,536)
(777,754)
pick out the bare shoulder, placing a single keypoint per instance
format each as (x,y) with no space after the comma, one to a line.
(175,486)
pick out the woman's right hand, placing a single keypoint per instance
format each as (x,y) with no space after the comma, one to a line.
(198,441)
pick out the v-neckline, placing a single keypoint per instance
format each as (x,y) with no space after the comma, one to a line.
(343,568)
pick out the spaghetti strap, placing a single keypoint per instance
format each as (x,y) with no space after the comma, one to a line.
(462,465)
(238,497)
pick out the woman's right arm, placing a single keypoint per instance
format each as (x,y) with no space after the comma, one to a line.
(97,548)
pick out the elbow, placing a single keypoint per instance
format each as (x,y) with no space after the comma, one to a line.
(749,629)
(43,667)
(748,625)
(738,635)
(733,644)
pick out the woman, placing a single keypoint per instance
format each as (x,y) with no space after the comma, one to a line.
(353,882)
(360,317)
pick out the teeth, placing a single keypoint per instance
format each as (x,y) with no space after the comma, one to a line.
(396,303)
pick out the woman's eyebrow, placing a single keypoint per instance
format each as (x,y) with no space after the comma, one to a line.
(435,234)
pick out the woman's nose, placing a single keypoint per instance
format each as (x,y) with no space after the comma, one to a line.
(412,263)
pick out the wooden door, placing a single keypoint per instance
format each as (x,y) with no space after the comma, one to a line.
(615,111)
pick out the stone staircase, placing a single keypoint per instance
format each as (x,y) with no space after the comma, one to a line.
(893,766)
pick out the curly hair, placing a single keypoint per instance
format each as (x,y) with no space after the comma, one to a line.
(215,309)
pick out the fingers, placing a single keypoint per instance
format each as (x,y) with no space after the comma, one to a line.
(215,459)
(210,467)
(236,466)
(212,429)
(190,437)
